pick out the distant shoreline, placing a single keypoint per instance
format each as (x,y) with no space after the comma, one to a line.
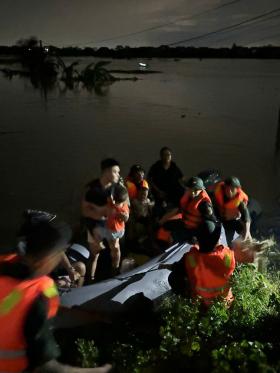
(164,52)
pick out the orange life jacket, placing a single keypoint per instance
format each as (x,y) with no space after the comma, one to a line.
(190,213)
(16,298)
(209,273)
(229,210)
(132,188)
(164,234)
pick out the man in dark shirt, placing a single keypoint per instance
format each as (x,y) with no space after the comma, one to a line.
(95,205)
(165,177)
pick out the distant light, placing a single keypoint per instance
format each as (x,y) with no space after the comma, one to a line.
(142,64)
(46,49)
(29,49)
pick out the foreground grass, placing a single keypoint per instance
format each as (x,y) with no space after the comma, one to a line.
(243,338)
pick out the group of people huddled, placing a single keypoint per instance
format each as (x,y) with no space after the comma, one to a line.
(159,210)
(164,208)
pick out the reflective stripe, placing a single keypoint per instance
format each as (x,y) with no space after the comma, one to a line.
(51,292)
(12,354)
(10,301)
(227,261)
(212,290)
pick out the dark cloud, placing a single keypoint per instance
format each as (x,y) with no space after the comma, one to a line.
(76,22)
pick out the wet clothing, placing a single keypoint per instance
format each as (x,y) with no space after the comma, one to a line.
(35,318)
(203,274)
(167,180)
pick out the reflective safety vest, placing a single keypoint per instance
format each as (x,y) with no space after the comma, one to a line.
(209,273)
(132,188)
(190,213)
(229,210)
(16,299)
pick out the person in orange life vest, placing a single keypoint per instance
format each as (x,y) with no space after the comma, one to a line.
(117,216)
(135,181)
(29,299)
(95,204)
(206,269)
(231,207)
(195,207)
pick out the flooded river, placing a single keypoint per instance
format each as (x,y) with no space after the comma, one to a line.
(219,114)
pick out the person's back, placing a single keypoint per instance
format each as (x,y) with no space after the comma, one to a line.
(209,272)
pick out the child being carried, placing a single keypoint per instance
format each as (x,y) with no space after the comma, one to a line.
(118,214)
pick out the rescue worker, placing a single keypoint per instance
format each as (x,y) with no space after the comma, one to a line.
(135,181)
(206,269)
(195,208)
(29,299)
(231,207)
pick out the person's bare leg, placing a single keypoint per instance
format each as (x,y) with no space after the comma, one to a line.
(115,253)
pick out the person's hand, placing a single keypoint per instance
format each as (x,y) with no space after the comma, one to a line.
(73,274)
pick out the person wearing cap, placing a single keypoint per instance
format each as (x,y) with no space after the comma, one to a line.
(231,206)
(205,270)
(29,299)
(164,177)
(135,181)
(195,208)
(95,205)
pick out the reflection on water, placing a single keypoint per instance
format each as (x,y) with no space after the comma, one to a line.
(214,114)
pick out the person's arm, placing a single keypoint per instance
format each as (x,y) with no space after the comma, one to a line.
(42,349)
(72,273)
(246,220)
(54,366)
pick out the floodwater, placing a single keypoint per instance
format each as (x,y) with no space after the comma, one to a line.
(219,114)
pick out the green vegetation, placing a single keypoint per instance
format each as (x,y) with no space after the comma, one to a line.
(242,338)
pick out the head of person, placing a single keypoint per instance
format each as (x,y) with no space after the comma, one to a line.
(195,186)
(120,194)
(209,236)
(137,173)
(110,170)
(143,193)
(42,241)
(232,184)
(165,155)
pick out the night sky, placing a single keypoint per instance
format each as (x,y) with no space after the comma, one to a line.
(96,23)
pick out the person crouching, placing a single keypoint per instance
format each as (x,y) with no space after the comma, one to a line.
(205,271)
